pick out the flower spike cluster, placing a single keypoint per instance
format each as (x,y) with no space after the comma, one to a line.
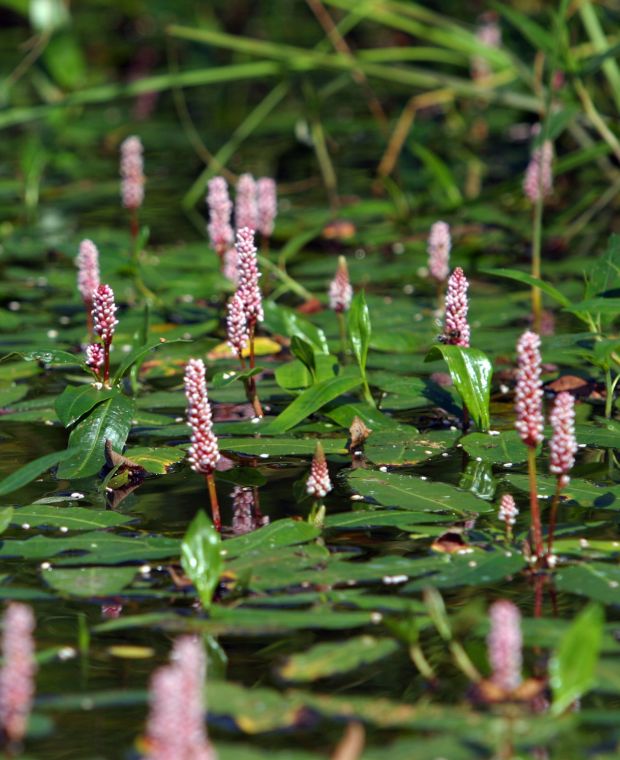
(318,483)
(340,290)
(237,325)
(176,722)
(247,265)
(563,445)
(87,262)
(203,454)
(439,244)
(266,205)
(504,644)
(132,173)
(246,210)
(529,393)
(104,313)
(508,510)
(220,209)
(538,180)
(17,677)
(456,327)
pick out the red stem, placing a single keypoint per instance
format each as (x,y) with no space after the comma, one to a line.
(215,507)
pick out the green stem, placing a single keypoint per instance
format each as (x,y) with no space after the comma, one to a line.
(534,506)
(367,394)
(342,329)
(610,387)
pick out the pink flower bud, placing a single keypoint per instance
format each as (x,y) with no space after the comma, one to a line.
(237,325)
(94,356)
(504,644)
(246,210)
(538,180)
(267,205)
(318,484)
(563,445)
(87,262)
(203,453)
(456,327)
(220,209)
(247,266)
(508,510)
(340,290)
(132,176)
(439,244)
(529,393)
(104,313)
(17,677)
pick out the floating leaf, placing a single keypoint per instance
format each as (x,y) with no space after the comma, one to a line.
(155,460)
(90,581)
(69,518)
(596,580)
(75,401)
(325,660)
(201,557)
(32,470)
(505,447)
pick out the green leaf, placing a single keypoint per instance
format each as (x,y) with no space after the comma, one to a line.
(604,275)
(573,666)
(527,279)
(596,580)
(505,447)
(311,400)
(155,460)
(50,356)
(70,518)
(33,469)
(76,401)
(358,320)
(304,351)
(414,493)
(224,379)
(330,659)
(201,557)
(110,420)
(537,35)
(6,518)
(271,537)
(90,581)
(281,447)
(284,321)
(471,373)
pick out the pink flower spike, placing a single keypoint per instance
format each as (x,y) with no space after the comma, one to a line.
(439,244)
(456,327)
(508,510)
(340,290)
(246,210)
(104,313)
(538,180)
(488,33)
(87,262)
(237,325)
(94,357)
(529,393)
(203,454)
(220,209)
(267,205)
(504,644)
(318,484)
(249,275)
(132,173)
(563,445)
(17,677)
(175,727)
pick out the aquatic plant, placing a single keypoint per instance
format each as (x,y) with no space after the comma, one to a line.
(504,645)
(221,234)
(104,325)
(439,244)
(530,420)
(340,297)
(132,179)
(203,453)
(508,513)
(87,262)
(246,208)
(318,484)
(562,449)
(266,207)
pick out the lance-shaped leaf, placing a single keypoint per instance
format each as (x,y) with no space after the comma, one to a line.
(201,557)
(471,373)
